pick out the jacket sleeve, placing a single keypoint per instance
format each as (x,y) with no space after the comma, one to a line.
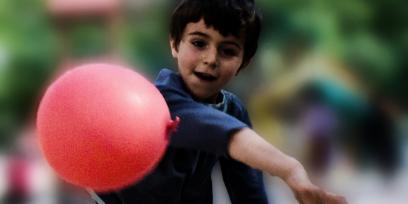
(244,184)
(201,127)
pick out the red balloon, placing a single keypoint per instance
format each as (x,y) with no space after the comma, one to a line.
(103,126)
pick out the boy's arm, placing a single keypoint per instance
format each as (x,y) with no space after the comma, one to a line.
(248,147)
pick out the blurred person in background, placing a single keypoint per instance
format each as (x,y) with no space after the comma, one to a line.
(319,124)
(18,185)
(377,141)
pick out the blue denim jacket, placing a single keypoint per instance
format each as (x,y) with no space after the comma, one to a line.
(183,176)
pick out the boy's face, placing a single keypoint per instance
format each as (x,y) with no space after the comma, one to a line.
(206,59)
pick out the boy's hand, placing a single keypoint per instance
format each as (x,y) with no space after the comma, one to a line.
(307,193)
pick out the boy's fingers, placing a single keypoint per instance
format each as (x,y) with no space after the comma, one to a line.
(314,195)
(311,197)
(334,199)
(320,197)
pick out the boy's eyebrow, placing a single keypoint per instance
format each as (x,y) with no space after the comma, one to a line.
(207,36)
(199,33)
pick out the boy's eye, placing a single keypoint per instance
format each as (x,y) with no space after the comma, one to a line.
(199,43)
(228,52)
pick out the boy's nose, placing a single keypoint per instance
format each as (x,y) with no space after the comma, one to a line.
(210,58)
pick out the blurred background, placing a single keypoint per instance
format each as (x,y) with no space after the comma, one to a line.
(326,86)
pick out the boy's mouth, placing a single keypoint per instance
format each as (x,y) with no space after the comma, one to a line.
(205,76)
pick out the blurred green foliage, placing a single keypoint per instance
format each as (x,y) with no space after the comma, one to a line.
(146,38)
(29,55)
(87,39)
(370,37)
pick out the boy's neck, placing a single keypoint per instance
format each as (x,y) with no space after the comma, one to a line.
(217,98)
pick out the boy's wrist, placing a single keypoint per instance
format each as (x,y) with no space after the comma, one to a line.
(296,176)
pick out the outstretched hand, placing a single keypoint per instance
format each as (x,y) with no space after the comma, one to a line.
(315,195)
(308,193)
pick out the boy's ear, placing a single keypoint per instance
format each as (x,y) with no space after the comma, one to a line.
(173,46)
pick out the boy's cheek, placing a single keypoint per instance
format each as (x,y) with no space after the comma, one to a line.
(188,61)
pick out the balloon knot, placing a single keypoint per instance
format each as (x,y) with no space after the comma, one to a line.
(172,126)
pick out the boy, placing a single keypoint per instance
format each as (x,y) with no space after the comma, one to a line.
(211,41)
